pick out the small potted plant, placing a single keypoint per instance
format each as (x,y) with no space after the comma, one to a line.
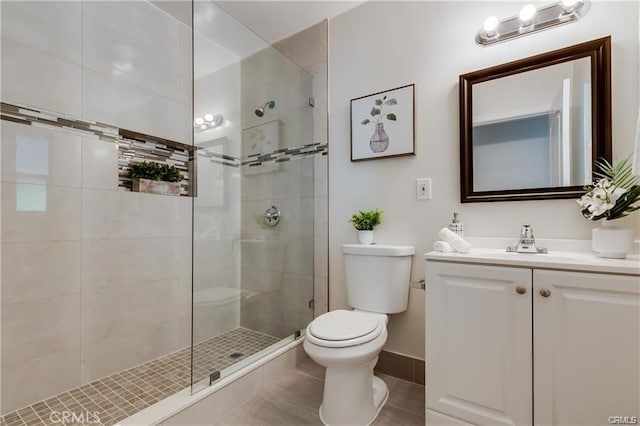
(613,195)
(155,178)
(364,222)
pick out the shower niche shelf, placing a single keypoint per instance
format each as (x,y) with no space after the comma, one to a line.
(134,147)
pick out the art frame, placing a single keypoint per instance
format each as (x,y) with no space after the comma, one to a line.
(383,124)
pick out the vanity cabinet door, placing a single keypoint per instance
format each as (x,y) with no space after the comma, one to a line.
(478,351)
(587,348)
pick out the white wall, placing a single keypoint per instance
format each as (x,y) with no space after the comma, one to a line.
(382,45)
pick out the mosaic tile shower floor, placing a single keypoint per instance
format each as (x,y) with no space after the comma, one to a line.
(123,394)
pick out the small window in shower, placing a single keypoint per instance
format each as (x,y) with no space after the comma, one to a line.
(32,155)
(32,166)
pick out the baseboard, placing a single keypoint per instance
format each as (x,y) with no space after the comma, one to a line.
(401,366)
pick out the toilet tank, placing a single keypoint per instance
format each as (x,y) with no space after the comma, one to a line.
(377,276)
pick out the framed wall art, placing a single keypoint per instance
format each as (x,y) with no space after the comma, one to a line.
(382,124)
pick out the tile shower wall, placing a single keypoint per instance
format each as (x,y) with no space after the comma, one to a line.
(277,264)
(217,208)
(308,49)
(88,270)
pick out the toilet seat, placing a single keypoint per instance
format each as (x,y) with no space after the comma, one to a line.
(341,328)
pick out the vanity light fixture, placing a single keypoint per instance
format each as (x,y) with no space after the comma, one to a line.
(526,15)
(530,19)
(490,25)
(569,6)
(209,121)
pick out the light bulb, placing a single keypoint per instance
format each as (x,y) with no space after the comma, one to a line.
(490,25)
(569,6)
(208,117)
(198,121)
(526,14)
(217,120)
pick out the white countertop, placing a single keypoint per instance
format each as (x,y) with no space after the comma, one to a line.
(566,260)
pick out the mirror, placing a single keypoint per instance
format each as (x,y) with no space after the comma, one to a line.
(533,128)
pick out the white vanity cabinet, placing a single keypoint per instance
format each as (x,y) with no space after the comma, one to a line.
(586,337)
(518,342)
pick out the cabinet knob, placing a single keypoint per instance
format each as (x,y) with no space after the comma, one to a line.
(521,290)
(545,292)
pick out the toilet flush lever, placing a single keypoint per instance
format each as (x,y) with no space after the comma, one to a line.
(418,284)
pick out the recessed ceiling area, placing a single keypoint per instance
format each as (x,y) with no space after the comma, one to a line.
(275,20)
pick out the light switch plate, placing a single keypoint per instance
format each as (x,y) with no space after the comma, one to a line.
(423,189)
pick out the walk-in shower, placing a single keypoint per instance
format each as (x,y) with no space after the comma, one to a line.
(114,299)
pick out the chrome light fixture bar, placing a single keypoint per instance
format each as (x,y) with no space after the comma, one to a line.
(531,20)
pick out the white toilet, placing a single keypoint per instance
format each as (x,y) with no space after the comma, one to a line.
(347,343)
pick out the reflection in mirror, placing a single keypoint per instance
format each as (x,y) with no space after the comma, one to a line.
(531,129)
(536,125)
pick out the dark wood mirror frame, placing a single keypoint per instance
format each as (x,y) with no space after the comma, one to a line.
(600,53)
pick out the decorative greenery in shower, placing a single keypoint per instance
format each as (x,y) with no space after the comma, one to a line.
(155,171)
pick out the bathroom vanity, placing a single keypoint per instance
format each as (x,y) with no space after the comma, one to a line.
(545,339)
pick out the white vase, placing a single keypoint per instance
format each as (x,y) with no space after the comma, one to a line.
(365,237)
(611,241)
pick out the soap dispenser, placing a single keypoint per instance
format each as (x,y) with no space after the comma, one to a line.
(456,226)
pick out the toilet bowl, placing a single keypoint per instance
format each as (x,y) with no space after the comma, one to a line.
(347,342)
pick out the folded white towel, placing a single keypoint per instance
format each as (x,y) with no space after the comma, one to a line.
(443,247)
(456,241)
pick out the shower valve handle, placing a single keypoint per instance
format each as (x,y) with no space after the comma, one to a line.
(272,216)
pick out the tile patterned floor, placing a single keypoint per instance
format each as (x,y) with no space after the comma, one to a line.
(294,400)
(120,395)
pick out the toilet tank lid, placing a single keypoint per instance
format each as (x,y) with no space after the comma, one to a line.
(378,250)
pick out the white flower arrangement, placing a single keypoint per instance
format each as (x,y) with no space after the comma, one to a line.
(613,195)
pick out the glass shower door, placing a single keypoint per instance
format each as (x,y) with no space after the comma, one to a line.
(253,126)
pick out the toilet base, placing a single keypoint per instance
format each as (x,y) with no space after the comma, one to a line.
(353,396)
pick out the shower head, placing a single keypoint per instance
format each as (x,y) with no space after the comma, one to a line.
(260,111)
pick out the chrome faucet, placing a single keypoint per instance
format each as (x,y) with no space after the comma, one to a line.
(527,242)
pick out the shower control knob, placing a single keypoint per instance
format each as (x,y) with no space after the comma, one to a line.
(272,216)
(521,290)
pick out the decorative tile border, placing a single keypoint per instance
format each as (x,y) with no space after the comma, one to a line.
(33,117)
(218,158)
(132,146)
(285,154)
(278,156)
(139,147)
